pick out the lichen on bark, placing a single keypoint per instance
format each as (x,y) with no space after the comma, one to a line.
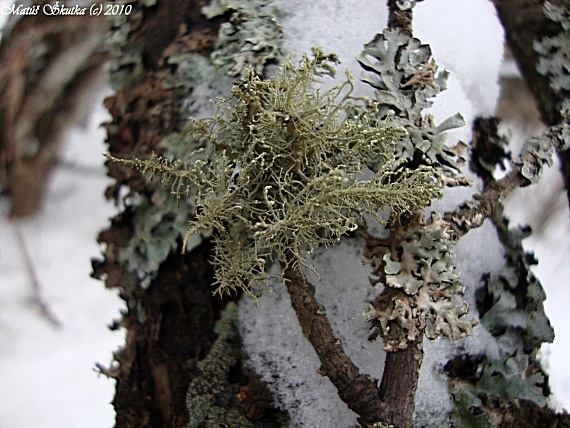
(279,171)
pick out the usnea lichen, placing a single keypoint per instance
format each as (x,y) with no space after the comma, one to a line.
(279,171)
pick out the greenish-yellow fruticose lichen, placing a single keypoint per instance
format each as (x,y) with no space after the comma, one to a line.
(280,169)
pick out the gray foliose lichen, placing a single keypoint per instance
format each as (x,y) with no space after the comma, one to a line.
(405,78)
(422,286)
(554,61)
(253,36)
(417,265)
(511,308)
(126,56)
(538,151)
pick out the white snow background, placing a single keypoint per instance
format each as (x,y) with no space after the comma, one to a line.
(47,376)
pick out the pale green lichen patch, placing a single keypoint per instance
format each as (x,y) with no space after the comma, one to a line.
(554,54)
(126,62)
(405,78)
(281,172)
(159,222)
(211,397)
(252,37)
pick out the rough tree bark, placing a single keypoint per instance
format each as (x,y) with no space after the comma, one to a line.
(169,324)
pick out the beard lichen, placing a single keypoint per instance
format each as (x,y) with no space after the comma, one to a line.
(280,170)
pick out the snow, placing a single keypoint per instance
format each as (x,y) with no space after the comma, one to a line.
(287,361)
(467,39)
(47,371)
(48,376)
(470,46)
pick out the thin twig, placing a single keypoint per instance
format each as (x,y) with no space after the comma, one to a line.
(38,298)
(358,391)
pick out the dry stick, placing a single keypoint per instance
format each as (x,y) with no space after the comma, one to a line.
(38,299)
(358,391)
(400,383)
(394,403)
(473,213)
(468,217)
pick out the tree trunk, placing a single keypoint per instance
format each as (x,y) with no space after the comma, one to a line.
(49,69)
(169,323)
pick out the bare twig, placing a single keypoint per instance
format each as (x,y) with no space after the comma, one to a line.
(398,16)
(38,298)
(473,213)
(393,403)
(355,389)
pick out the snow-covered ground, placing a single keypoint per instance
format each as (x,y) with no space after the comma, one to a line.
(47,376)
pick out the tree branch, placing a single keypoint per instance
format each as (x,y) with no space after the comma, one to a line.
(399,17)
(400,383)
(38,297)
(394,402)
(473,213)
(355,389)
(525,24)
